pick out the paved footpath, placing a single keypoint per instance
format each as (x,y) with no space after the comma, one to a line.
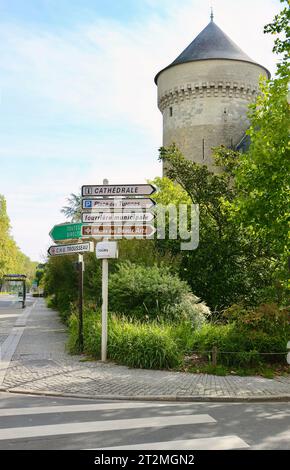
(40,364)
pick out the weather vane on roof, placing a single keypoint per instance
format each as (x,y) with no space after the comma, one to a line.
(211,14)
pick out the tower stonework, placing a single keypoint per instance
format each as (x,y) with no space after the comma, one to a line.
(204,95)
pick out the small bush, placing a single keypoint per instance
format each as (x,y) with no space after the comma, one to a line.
(248,339)
(142,293)
(268,318)
(189,308)
(149,288)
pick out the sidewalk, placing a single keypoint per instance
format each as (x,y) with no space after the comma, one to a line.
(41,365)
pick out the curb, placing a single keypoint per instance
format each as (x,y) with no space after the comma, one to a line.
(161,398)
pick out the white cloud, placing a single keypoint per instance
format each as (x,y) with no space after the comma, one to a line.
(101,74)
(105,70)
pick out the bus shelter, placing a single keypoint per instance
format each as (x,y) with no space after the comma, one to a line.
(14,279)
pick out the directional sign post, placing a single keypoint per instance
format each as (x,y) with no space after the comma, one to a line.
(111,231)
(115,211)
(59,250)
(118,190)
(105,251)
(66,232)
(95,205)
(81,268)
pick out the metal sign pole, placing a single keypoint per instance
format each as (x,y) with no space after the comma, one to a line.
(105,270)
(105,281)
(81,301)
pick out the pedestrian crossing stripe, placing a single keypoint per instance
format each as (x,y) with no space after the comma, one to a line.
(177,414)
(101,426)
(90,407)
(205,443)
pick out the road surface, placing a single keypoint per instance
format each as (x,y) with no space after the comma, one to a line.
(34,422)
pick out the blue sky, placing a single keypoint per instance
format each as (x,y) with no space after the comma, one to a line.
(78,101)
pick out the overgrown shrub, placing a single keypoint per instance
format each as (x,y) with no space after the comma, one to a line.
(142,292)
(267,318)
(252,336)
(189,308)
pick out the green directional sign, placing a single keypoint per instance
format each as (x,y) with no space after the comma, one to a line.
(66,232)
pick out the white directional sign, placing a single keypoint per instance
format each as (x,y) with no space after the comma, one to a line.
(130,231)
(95,205)
(118,190)
(116,217)
(71,249)
(107,250)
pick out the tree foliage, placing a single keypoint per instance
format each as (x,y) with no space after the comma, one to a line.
(227,266)
(12,260)
(280,27)
(73,210)
(262,176)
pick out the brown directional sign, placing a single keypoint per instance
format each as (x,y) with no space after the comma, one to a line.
(130,231)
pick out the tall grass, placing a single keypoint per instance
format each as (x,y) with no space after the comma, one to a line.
(137,345)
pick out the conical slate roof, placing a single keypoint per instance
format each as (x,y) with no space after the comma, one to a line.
(211,43)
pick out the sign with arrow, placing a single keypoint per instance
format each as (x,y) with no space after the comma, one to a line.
(118,190)
(59,250)
(130,231)
(95,205)
(117,217)
(66,232)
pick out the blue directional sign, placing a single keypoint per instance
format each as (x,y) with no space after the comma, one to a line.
(88,204)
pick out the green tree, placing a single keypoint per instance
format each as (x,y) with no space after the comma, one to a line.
(280,27)
(262,176)
(73,210)
(39,275)
(227,266)
(12,260)
(61,282)
(5,258)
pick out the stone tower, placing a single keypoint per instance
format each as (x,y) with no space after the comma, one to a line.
(204,95)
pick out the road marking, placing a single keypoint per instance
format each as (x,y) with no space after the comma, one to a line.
(207,443)
(87,407)
(9,315)
(101,426)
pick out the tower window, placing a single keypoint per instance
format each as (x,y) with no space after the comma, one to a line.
(170,111)
(203,149)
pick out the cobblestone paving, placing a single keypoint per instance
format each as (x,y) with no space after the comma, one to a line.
(41,364)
